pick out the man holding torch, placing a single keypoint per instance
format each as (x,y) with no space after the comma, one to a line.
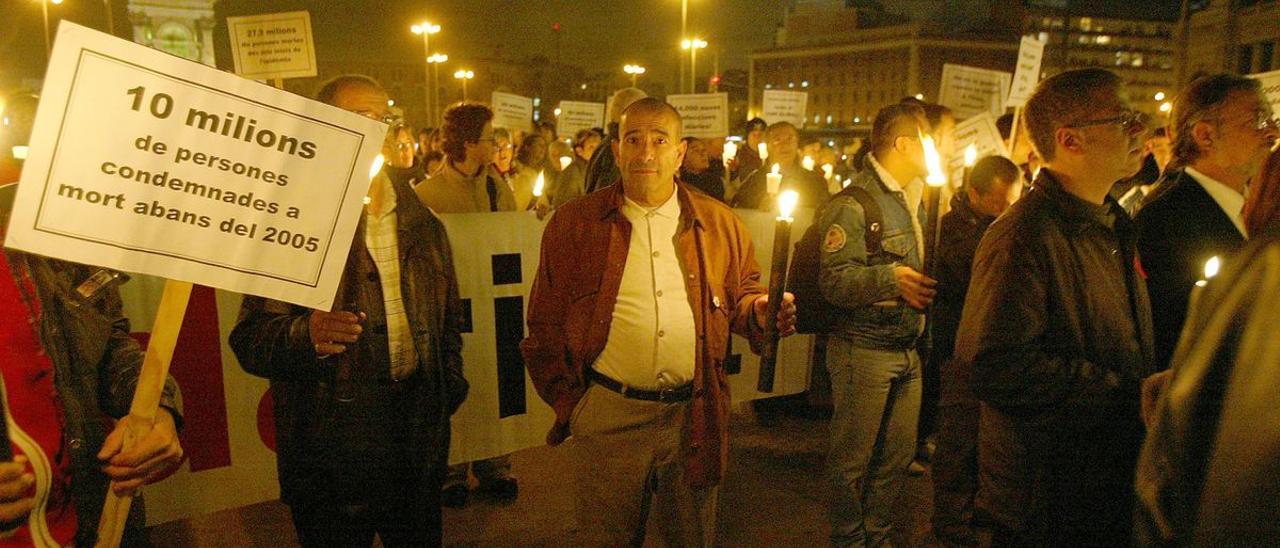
(871,356)
(635,296)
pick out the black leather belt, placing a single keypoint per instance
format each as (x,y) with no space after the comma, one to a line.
(677,394)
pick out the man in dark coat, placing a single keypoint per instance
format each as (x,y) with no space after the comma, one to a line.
(783,142)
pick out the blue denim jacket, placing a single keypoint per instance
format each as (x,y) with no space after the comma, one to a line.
(877,316)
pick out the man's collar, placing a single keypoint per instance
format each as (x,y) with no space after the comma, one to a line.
(669,209)
(1075,207)
(885,177)
(454,168)
(680,201)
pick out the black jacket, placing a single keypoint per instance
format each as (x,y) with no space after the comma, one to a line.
(753,194)
(347,442)
(1057,329)
(962,229)
(1180,227)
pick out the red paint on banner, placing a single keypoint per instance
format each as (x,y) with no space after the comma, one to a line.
(267,421)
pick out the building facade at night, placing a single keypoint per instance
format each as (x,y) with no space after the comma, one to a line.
(1238,36)
(182,27)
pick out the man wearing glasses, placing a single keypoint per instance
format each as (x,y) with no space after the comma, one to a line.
(467,183)
(1222,132)
(1057,330)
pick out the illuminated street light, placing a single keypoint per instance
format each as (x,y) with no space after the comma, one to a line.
(1166,107)
(426,30)
(44,6)
(1159,96)
(635,71)
(693,45)
(464,75)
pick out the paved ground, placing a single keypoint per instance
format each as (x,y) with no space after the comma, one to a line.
(773,496)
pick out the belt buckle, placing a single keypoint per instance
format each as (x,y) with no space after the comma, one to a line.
(666,394)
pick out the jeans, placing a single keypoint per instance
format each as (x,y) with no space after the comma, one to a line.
(873,435)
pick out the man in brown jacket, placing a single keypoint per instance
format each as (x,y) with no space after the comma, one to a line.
(629,320)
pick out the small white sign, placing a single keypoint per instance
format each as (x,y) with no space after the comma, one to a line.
(702,115)
(970,91)
(1027,75)
(512,111)
(275,45)
(1270,88)
(785,106)
(981,132)
(576,116)
(144,162)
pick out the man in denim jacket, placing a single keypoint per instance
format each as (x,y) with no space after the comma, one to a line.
(875,370)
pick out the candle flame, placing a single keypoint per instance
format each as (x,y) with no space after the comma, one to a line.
(932,161)
(730,150)
(564,162)
(828,170)
(537,185)
(377,166)
(20,152)
(1211,267)
(763,150)
(807,162)
(787,203)
(970,155)
(777,169)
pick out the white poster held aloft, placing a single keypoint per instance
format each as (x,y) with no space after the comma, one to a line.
(1270,87)
(576,116)
(785,106)
(145,162)
(981,132)
(702,115)
(275,45)
(511,111)
(1027,75)
(970,91)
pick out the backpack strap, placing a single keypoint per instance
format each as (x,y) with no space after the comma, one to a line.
(874,219)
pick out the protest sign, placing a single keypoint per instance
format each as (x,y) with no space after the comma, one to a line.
(785,106)
(275,45)
(512,111)
(702,115)
(576,116)
(1027,75)
(981,132)
(144,162)
(1270,87)
(970,91)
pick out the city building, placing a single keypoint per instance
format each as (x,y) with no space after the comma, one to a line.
(182,27)
(1237,36)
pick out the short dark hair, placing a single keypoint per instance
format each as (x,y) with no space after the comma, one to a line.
(1063,99)
(885,127)
(1201,99)
(548,124)
(329,90)
(756,123)
(580,138)
(1004,124)
(990,169)
(653,105)
(424,131)
(934,113)
(527,145)
(463,123)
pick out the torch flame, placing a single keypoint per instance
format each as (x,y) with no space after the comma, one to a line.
(970,155)
(763,150)
(932,161)
(537,185)
(564,162)
(828,170)
(807,163)
(1211,267)
(377,166)
(787,203)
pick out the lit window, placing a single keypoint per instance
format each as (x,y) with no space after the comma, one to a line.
(1104,39)
(804,84)
(768,86)
(1044,37)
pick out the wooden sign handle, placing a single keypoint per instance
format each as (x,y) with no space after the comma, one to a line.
(146,398)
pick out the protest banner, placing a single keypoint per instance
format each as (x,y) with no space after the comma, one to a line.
(1027,75)
(273,46)
(702,115)
(981,132)
(144,162)
(1270,87)
(970,91)
(576,116)
(784,106)
(512,111)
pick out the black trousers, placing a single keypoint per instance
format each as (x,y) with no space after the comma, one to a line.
(409,516)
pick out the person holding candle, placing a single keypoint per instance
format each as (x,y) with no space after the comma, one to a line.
(871,353)
(637,290)
(782,141)
(748,158)
(531,160)
(570,183)
(1056,329)
(1223,129)
(467,183)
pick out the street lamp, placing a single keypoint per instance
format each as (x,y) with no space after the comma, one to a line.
(635,71)
(693,45)
(44,5)
(434,62)
(426,29)
(464,75)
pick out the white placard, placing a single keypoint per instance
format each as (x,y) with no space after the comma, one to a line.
(784,106)
(145,162)
(1027,75)
(970,91)
(576,116)
(1270,88)
(981,132)
(275,45)
(512,111)
(702,115)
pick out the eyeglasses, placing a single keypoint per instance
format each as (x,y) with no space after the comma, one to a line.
(1127,120)
(404,146)
(386,118)
(1264,121)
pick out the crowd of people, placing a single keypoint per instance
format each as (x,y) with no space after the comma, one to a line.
(1056,355)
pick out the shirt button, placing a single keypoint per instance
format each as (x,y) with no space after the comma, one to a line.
(661,333)
(658,293)
(75,443)
(655,253)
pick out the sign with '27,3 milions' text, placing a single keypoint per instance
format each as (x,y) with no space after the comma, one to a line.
(144,162)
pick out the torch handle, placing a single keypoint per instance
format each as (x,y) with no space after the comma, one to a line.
(777,283)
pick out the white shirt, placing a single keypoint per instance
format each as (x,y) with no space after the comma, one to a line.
(1231,202)
(912,193)
(381,239)
(652,338)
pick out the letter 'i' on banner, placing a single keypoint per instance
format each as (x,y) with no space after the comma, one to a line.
(508,323)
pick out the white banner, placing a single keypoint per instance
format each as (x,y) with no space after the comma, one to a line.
(576,116)
(970,91)
(702,115)
(229,432)
(275,45)
(981,132)
(512,111)
(1270,88)
(1027,75)
(785,106)
(145,162)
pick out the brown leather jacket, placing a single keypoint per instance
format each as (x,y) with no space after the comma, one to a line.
(584,251)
